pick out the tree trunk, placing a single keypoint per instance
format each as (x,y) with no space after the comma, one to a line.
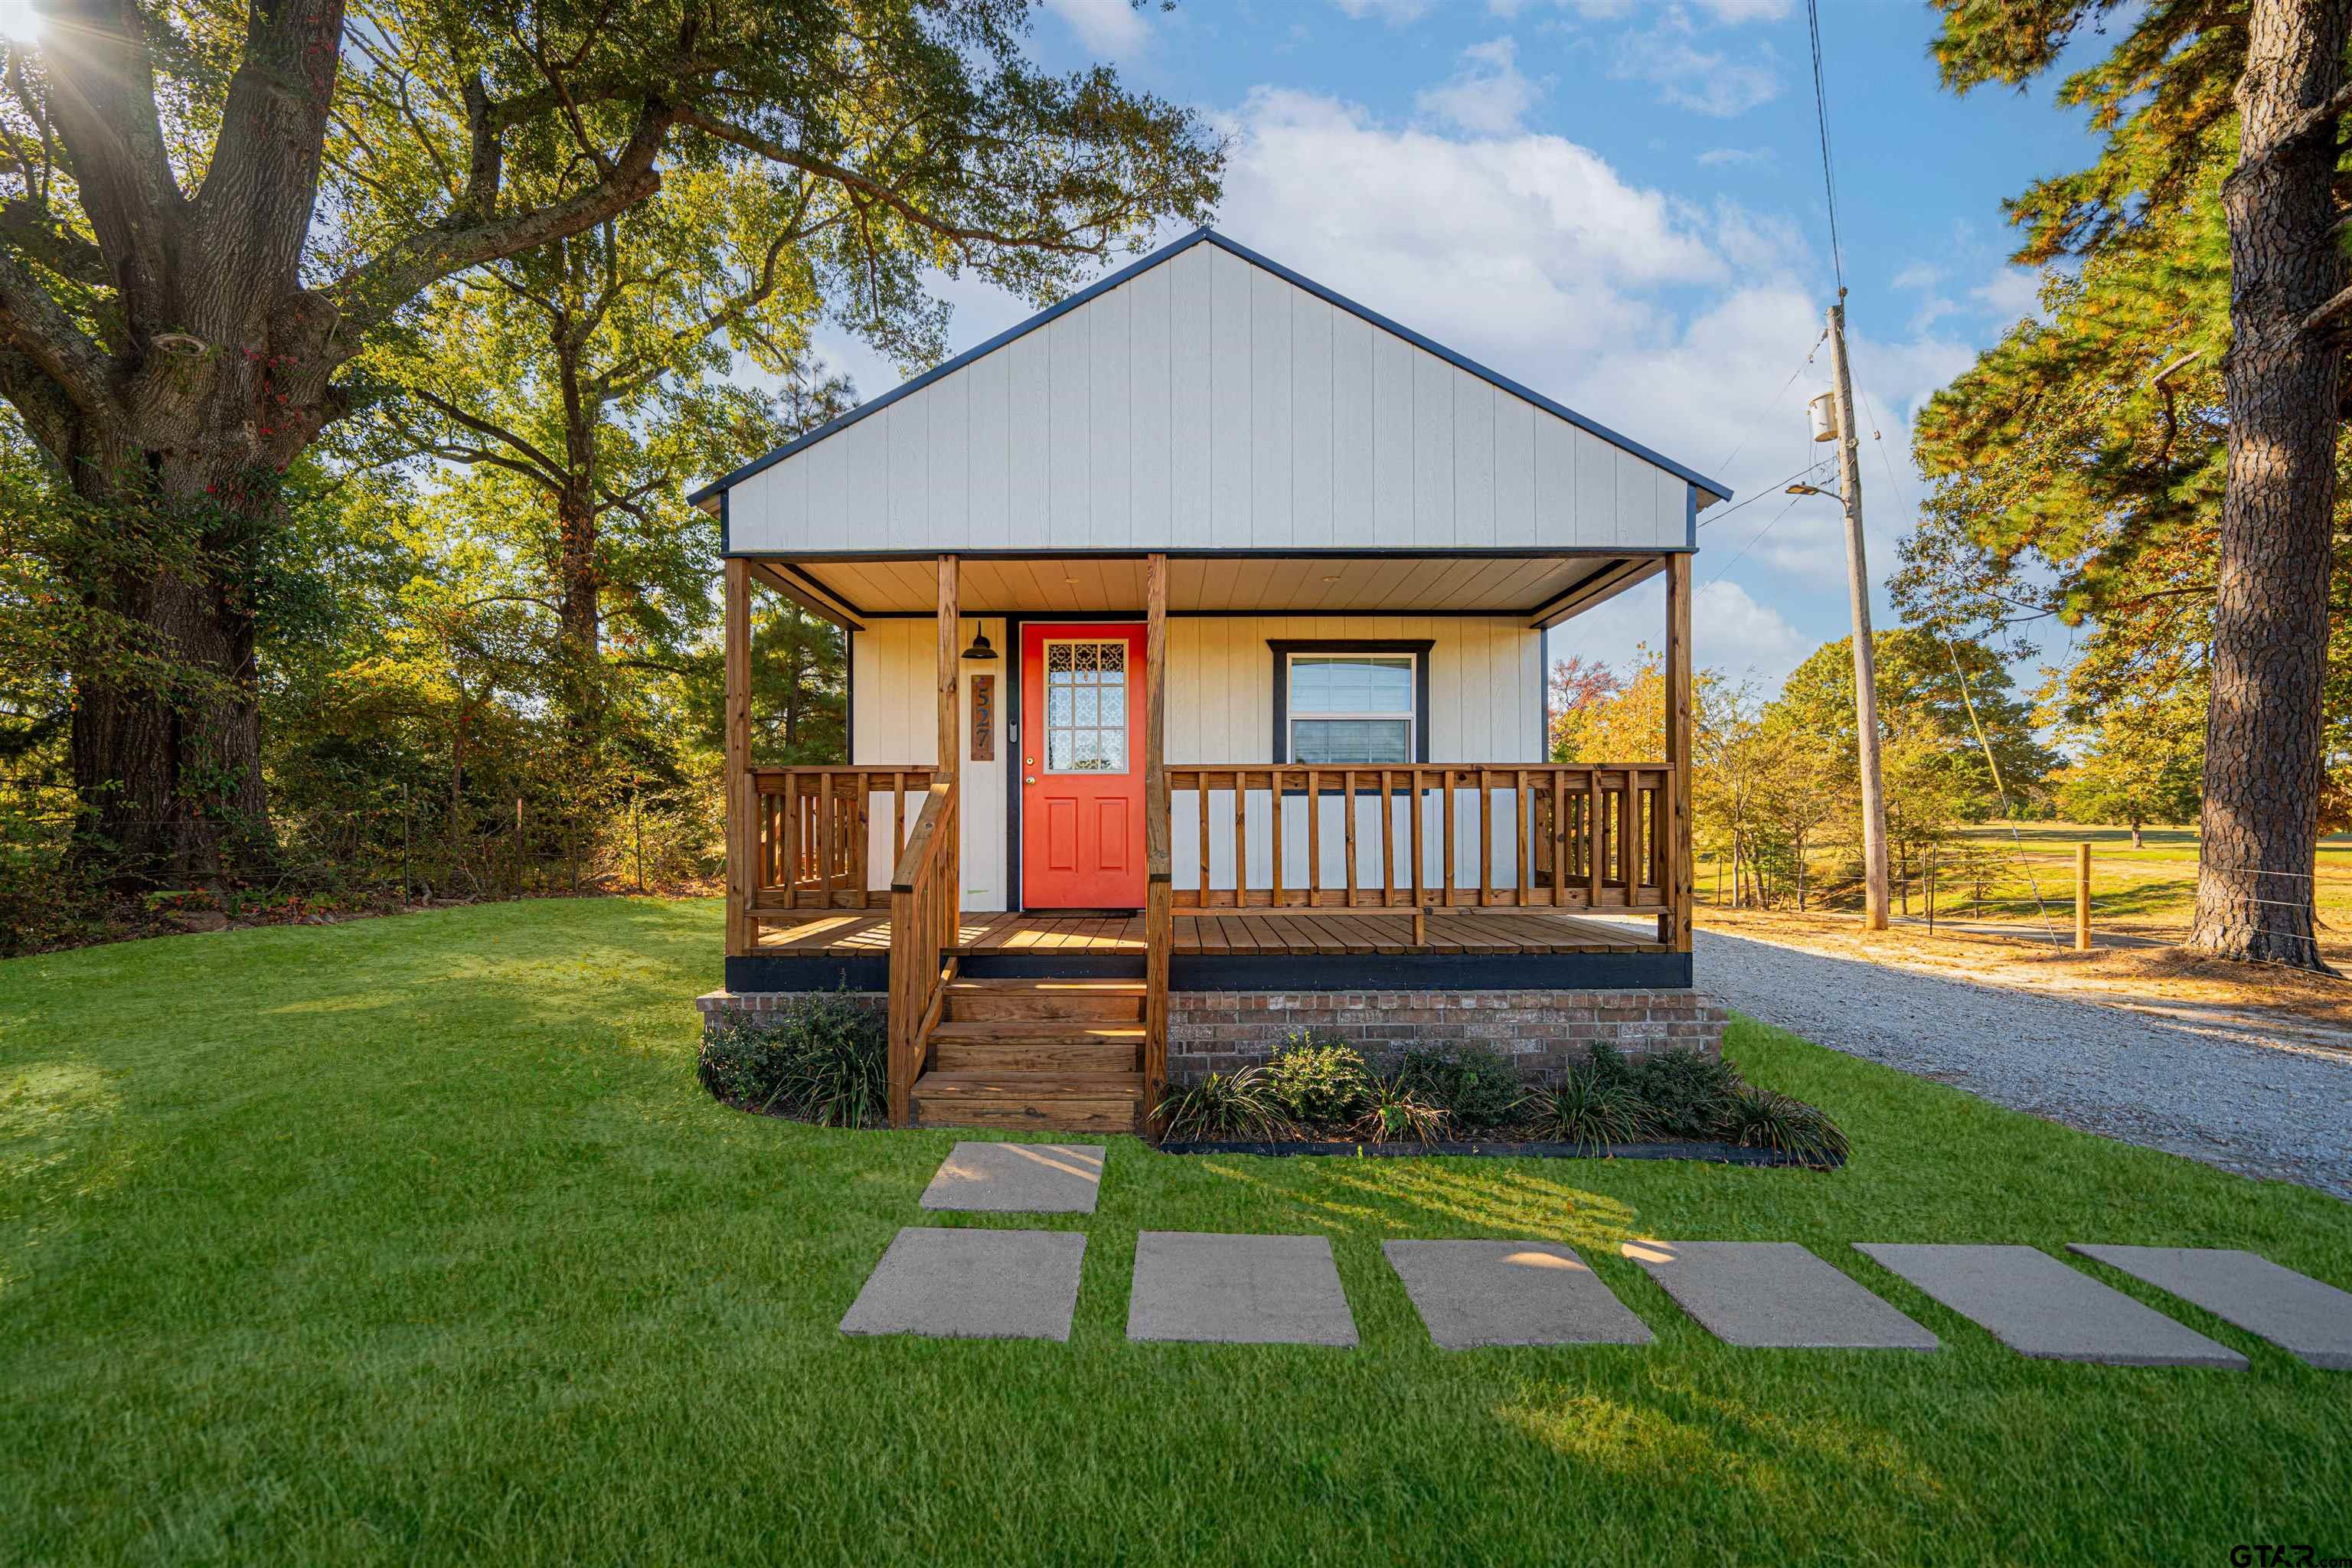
(2283,382)
(165,741)
(2136,842)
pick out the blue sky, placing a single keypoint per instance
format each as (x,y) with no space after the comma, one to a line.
(1619,202)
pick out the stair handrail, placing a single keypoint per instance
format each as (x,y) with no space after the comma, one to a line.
(1158,939)
(925,902)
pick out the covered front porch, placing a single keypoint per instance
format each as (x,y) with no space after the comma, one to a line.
(1429,874)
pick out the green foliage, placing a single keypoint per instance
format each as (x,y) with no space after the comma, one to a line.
(1395,1113)
(1586,1108)
(1318,1083)
(2077,468)
(1764,1119)
(1685,1093)
(1239,1107)
(823,1058)
(1472,1084)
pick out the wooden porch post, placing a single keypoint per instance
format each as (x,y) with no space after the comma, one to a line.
(951,702)
(1159,922)
(1675,925)
(742,833)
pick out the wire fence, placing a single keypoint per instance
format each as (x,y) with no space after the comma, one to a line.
(1983,886)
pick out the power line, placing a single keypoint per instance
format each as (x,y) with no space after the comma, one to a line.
(1775,488)
(1752,538)
(1822,118)
(1741,444)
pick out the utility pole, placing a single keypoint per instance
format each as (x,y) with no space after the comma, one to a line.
(1865,681)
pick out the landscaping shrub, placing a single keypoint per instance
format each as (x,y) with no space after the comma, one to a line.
(1318,1083)
(1687,1093)
(1587,1110)
(823,1058)
(1472,1084)
(1396,1113)
(1761,1119)
(1223,1108)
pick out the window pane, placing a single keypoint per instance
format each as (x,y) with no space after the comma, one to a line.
(1352,683)
(1321,741)
(1085,707)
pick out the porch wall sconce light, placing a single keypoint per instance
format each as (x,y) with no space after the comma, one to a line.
(980,648)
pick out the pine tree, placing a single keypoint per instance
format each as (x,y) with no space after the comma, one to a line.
(2223,120)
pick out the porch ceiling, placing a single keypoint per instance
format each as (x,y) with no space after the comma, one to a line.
(1547,588)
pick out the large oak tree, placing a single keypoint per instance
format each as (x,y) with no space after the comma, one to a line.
(186,275)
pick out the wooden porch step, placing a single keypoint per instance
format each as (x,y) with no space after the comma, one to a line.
(970,1000)
(1058,1101)
(1040,1047)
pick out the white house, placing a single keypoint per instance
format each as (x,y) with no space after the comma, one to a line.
(1196,630)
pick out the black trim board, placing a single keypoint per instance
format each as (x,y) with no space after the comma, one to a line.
(1255,971)
(1427,971)
(1168,252)
(1285,646)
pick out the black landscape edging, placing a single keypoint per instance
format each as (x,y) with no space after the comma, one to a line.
(1711,1153)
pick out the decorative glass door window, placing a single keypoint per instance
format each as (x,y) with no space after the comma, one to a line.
(1085,707)
(1350,707)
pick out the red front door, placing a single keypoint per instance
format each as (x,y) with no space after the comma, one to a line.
(1081,765)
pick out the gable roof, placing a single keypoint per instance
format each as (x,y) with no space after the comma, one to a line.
(1712,489)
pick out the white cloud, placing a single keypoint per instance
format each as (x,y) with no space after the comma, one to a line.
(2012,293)
(1738,11)
(1731,630)
(1487,96)
(1726,11)
(1735,634)
(1706,81)
(1393,12)
(1107,26)
(1505,240)
(1721,157)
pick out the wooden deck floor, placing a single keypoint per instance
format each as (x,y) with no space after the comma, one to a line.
(867,933)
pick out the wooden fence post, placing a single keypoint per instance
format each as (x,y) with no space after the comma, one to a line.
(2081,898)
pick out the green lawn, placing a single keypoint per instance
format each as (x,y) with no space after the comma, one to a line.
(413,1240)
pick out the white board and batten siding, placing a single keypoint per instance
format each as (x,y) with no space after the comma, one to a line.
(1209,403)
(1485,704)
(893,717)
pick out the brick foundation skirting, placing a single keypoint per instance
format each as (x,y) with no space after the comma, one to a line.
(720,1005)
(1544,1033)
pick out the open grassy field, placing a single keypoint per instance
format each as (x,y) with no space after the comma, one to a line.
(2150,890)
(414,1240)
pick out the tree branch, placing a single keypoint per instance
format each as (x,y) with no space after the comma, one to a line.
(550,471)
(371,292)
(35,325)
(849,179)
(2327,312)
(103,94)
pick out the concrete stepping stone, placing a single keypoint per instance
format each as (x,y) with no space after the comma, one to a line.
(2038,1307)
(1474,1293)
(1237,1289)
(1775,1295)
(1018,1178)
(972,1285)
(2304,1317)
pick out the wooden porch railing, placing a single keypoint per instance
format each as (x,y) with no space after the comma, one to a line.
(926,899)
(1451,835)
(812,826)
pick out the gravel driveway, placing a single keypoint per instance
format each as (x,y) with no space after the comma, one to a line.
(2282,1113)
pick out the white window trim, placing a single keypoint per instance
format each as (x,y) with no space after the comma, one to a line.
(1291,716)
